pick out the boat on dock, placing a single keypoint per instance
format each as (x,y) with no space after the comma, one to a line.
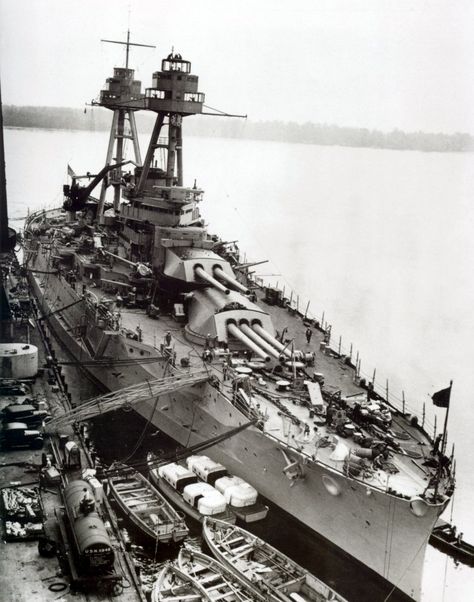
(263,567)
(151,514)
(173,585)
(192,496)
(219,582)
(171,321)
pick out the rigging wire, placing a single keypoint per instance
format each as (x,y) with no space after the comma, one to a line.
(395,585)
(445,576)
(145,428)
(112,363)
(391,532)
(57,311)
(216,110)
(182,453)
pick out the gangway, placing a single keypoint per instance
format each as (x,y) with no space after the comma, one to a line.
(127,397)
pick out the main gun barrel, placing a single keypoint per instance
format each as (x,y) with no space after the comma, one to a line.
(272,340)
(201,273)
(235,331)
(245,328)
(219,273)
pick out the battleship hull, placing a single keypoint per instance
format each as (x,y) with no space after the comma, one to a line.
(387,533)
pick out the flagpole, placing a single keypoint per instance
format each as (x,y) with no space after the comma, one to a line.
(444,441)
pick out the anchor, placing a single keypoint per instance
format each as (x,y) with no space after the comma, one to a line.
(292,470)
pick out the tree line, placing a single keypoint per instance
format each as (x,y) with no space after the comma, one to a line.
(96,118)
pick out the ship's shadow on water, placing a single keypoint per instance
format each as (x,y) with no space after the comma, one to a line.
(125,436)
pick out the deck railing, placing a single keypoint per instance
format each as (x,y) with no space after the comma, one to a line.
(302,307)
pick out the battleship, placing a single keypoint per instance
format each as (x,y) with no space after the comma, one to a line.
(168,318)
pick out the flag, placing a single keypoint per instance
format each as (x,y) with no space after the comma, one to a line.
(70,171)
(441,398)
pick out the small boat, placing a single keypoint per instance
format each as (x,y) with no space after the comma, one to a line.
(262,566)
(154,517)
(172,585)
(444,538)
(240,496)
(219,582)
(183,489)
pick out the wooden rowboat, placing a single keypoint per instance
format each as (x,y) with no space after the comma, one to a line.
(263,567)
(147,509)
(173,585)
(219,582)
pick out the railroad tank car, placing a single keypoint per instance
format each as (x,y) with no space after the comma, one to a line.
(94,549)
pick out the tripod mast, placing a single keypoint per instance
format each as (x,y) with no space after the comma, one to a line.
(122,95)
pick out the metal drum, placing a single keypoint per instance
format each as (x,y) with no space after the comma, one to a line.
(349,429)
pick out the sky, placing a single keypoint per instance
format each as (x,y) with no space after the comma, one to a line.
(384,64)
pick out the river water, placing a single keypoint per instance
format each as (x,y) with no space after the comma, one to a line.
(379,241)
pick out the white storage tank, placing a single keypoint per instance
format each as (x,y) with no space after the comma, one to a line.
(237,492)
(176,475)
(212,504)
(209,500)
(226,482)
(18,360)
(206,469)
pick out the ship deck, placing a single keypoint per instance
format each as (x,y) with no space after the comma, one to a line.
(285,411)
(403,473)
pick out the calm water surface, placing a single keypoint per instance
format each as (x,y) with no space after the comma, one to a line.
(380,241)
